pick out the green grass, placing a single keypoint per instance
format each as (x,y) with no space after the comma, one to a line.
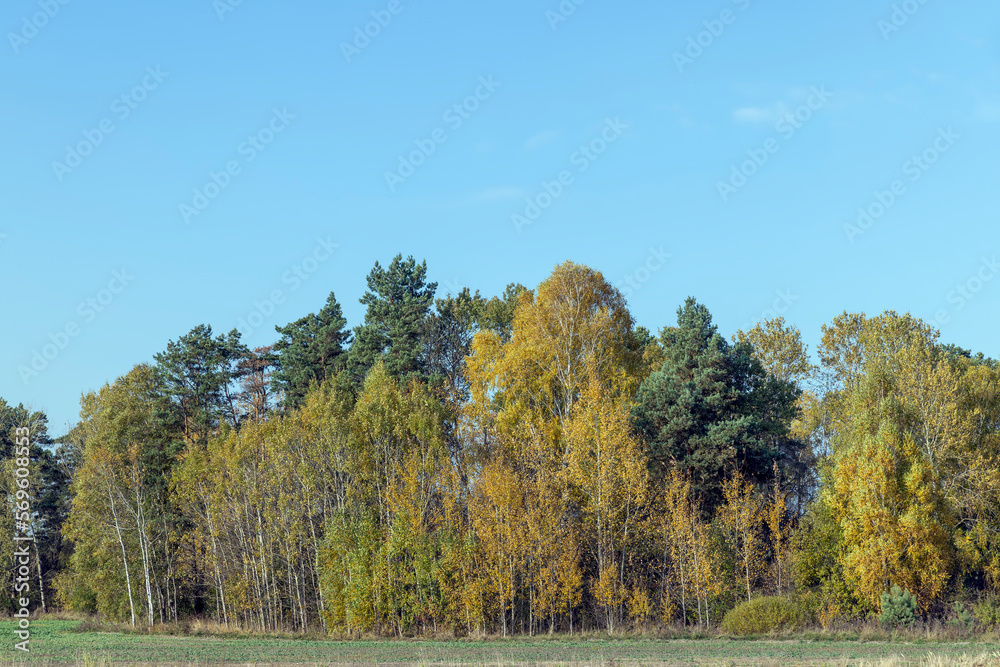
(55,643)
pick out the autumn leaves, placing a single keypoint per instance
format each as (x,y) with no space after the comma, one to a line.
(540,464)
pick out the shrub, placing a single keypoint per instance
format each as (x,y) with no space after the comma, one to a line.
(809,606)
(963,618)
(987,611)
(899,607)
(761,616)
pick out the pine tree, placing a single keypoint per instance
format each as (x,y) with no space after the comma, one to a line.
(311,350)
(398,301)
(711,408)
(198,375)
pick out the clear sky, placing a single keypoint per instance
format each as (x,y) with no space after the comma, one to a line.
(176,163)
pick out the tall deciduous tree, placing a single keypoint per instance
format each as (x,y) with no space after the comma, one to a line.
(552,398)
(780,350)
(576,331)
(689,567)
(887,499)
(853,340)
(742,517)
(608,471)
(119,518)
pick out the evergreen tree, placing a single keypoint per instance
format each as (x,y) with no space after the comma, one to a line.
(197,374)
(710,409)
(50,496)
(398,300)
(311,349)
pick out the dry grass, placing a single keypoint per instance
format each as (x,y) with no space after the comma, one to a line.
(75,640)
(973,660)
(981,660)
(189,628)
(840,630)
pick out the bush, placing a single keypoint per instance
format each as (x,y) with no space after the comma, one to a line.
(987,611)
(761,616)
(963,617)
(899,607)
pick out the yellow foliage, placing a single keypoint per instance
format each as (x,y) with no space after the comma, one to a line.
(887,499)
(692,564)
(779,530)
(667,609)
(640,607)
(780,350)
(609,593)
(742,516)
(575,332)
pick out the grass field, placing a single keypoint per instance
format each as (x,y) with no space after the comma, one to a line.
(54,642)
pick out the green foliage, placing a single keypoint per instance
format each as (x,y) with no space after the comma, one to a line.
(121,500)
(963,617)
(49,472)
(311,350)
(381,560)
(987,611)
(497,314)
(527,463)
(711,408)
(398,300)
(447,335)
(816,543)
(817,546)
(447,340)
(196,378)
(887,498)
(761,616)
(979,359)
(899,607)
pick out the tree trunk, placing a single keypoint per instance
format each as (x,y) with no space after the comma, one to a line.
(41,582)
(121,542)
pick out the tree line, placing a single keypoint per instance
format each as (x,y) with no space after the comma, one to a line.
(530,462)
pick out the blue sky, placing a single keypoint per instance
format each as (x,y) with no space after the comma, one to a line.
(171,164)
